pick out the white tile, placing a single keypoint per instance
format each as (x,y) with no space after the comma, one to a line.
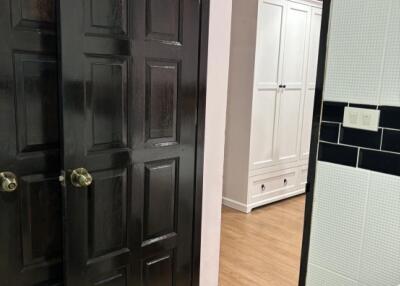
(337,222)
(390,94)
(380,259)
(356,45)
(317,276)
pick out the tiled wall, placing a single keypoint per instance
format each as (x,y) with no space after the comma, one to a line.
(355,227)
(378,151)
(355,237)
(363,52)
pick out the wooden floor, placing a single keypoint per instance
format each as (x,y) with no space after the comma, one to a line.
(262,248)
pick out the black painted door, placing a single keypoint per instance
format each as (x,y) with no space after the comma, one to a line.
(30,216)
(129,106)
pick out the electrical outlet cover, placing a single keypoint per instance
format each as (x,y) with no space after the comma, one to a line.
(361,118)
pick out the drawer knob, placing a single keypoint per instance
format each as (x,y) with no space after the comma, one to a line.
(285,182)
(263,187)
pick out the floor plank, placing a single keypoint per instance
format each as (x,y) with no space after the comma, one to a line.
(262,248)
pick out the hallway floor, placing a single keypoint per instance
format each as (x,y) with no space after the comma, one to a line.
(262,248)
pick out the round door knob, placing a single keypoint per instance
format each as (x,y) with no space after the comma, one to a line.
(81,178)
(8,182)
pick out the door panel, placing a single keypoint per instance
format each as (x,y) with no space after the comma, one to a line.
(129,89)
(270,37)
(288,122)
(30,217)
(263,128)
(95,64)
(294,76)
(296,43)
(164,138)
(269,41)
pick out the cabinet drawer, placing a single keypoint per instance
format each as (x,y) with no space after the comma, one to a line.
(273,182)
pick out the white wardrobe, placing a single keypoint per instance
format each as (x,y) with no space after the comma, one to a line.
(270,114)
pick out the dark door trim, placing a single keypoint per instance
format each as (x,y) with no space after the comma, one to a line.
(316,121)
(201,115)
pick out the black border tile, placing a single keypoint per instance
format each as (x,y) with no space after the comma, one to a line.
(365,106)
(390,117)
(378,161)
(338,154)
(391,140)
(361,138)
(333,111)
(329,132)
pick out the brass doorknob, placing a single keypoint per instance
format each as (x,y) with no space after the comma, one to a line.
(8,182)
(81,178)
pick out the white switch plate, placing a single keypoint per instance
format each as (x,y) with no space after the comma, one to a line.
(361,118)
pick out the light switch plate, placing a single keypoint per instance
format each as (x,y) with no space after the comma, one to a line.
(361,118)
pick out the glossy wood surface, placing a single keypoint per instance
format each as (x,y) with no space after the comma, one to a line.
(129,83)
(30,217)
(262,248)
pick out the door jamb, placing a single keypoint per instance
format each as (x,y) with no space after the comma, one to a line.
(314,140)
(200,132)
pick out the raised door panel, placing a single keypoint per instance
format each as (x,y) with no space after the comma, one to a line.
(106,17)
(164,20)
(160,199)
(107,214)
(295,45)
(308,108)
(106,103)
(269,42)
(33,14)
(288,118)
(36,95)
(162,83)
(263,129)
(30,217)
(157,270)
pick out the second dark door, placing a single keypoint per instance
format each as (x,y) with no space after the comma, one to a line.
(129,74)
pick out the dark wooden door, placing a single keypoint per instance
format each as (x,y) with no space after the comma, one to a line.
(129,74)
(30,216)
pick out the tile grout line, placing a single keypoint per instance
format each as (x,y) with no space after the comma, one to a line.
(362,147)
(364,222)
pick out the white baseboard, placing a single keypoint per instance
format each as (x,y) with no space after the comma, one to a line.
(248,208)
(235,205)
(276,198)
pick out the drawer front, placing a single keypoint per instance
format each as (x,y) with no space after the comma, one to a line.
(269,183)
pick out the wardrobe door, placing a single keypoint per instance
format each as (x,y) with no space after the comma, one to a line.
(293,80)
(268,68)
(316,15)
(30,206)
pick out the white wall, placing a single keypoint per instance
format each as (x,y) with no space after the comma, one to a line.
(217,85)
(240,99)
